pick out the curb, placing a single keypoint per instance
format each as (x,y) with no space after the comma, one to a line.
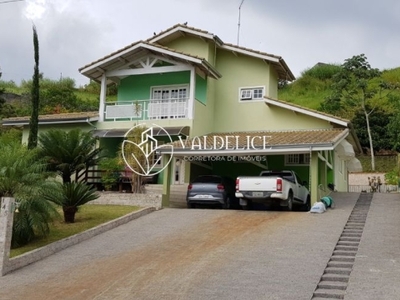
(45,251)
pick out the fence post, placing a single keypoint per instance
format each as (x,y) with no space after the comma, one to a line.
(6,225)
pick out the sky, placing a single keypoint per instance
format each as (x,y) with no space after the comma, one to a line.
(73,33)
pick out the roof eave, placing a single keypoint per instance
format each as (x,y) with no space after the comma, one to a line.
(199,61)
(279,149)
(306,112)
(182,28)
(51,121)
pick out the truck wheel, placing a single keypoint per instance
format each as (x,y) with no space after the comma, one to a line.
(290,202)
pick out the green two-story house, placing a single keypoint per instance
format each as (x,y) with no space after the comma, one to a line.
(197,87)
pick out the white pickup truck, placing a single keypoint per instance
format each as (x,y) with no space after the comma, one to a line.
(282,187)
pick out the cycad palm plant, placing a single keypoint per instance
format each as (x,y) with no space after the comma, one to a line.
(69,151)
(70,196)
(23,177)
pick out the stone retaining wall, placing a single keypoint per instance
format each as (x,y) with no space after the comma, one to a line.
(152,197)
(141,200)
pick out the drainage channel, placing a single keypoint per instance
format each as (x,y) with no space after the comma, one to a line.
(334,281)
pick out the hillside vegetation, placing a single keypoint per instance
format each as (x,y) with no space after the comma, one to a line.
(314,86)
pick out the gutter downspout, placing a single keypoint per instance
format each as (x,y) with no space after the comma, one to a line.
(91,124)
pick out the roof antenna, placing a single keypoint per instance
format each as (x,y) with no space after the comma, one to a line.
(240,6)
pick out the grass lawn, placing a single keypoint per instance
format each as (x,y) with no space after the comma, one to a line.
(88,216)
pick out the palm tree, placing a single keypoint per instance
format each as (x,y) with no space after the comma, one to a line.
(70,196)
(69,151)
(23,176)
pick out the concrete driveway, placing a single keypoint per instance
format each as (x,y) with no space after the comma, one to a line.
(192,254)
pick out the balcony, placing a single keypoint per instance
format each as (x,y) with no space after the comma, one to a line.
(152,109)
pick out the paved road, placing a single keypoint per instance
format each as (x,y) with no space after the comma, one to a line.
(192,254)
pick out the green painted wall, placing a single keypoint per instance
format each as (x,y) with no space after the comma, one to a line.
(235,115)
(139,87)
(277,162)
(204,113)
(191,45)
(201,89)
(273,84)
(225,167)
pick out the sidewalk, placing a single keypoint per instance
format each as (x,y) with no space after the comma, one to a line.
(376,272)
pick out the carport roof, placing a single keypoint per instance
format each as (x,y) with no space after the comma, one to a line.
(260,142)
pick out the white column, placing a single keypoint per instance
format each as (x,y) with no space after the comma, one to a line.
(103,91)
(6,224)
(192,93)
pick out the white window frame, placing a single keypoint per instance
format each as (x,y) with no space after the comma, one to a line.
(247,94)
(297,159)
(158,105)
(169,88)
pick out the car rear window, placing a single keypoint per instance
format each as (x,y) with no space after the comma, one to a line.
(284,175)
(208,179)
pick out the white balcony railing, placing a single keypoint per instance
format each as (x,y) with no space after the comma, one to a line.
(147,109)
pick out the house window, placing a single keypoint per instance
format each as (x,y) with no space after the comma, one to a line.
(297,159)
(168,102)
(251,93)
(170,92)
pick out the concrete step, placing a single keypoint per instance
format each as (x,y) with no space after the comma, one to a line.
(335,278)
(328,285)
(355,234)
(342,258)
(334,270)
(348,243)
(344,253)
(340,264)
(355,223)
(328,294)
(353,230)
(346,248)
(349,239)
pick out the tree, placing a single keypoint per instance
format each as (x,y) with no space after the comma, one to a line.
(394,122)
(23,176)
(379,124)
(69,151)
(357,86)
(57,96)
(70,196)
(34,121)
(134,156)
(110,171)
